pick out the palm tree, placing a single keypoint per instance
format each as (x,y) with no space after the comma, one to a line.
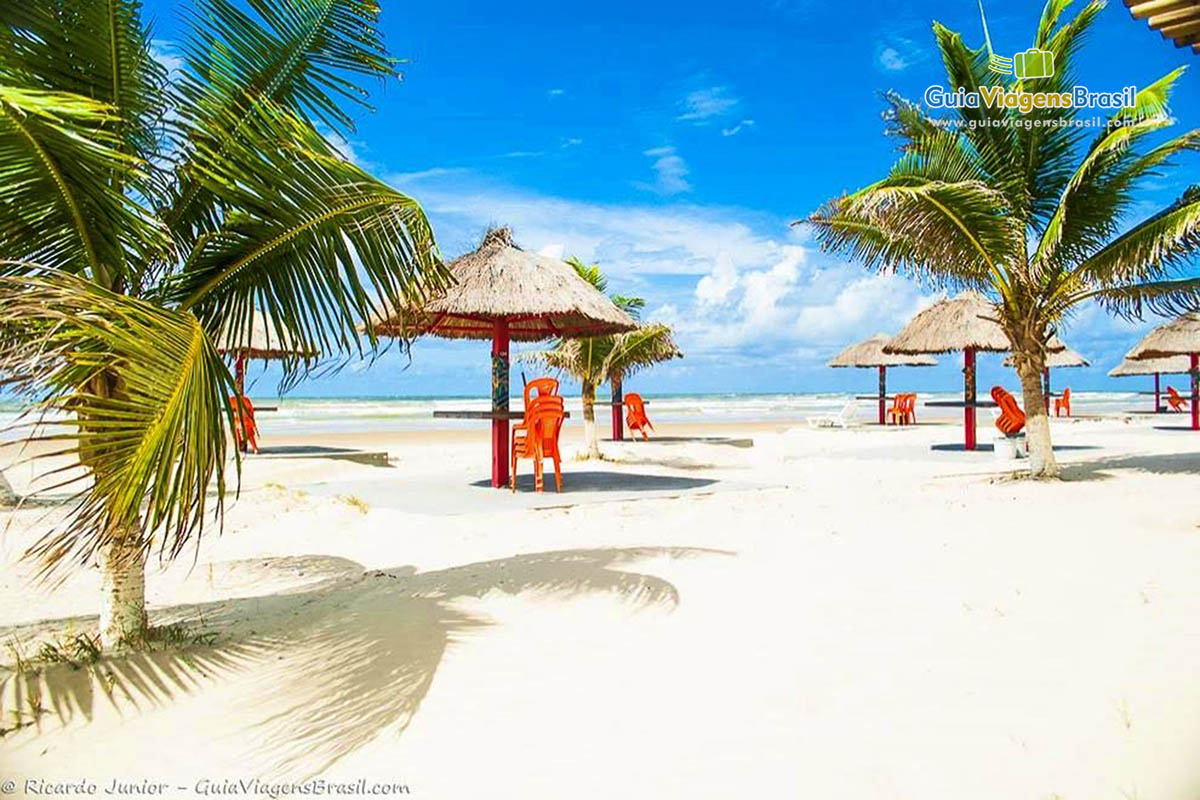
(143,211)
(597,359)
(1020,207)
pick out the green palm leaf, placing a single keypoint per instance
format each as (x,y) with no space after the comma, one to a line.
(135,391)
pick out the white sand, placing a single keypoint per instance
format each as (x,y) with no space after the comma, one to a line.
(829,614)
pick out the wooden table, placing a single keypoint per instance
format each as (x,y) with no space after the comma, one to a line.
(499,441)
(969,408)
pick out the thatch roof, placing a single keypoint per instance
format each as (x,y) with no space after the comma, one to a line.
(1179,336)
(539,296)
(264,342)
(1176,20)
(1057,359)
(869,353)
(968,320)
(1172,365)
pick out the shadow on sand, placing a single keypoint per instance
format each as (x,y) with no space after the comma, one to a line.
(1161,464)
(600,481)
(333,663)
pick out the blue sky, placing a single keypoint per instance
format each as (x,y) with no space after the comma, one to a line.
(673,143)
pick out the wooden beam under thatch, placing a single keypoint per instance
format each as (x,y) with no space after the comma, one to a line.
(1177,20)
(1173,365)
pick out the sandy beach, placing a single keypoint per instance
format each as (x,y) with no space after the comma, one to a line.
(825,613)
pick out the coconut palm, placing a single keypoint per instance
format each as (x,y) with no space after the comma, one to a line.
(1021,207)
(143,212)
(597,359)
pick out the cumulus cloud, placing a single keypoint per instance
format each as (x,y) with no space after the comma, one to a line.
(703,105)
(554,93)
(715,287)
(670,170)
(891,59)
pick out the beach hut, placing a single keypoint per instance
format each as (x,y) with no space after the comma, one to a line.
(1063,358)
(1172,365)
(503,293)
(967,322)
(1179,337)
(869,353)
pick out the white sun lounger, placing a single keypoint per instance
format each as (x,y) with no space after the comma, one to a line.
(840,420)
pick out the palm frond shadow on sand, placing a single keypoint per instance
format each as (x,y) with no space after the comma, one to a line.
(1155,464)
(336,663)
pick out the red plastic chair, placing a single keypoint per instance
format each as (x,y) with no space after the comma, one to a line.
(1012,418)
(635,415)
(1063,403)
(245,431)
(542,386)
(895,414)
(1176,400)
(537,438)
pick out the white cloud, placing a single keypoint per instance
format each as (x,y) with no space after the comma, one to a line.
(671,171)
(891,59)
(736,129)
(705,104)
(554,250)
(524,154)
(163,51)
(572,142)
(555,93)
(715,287)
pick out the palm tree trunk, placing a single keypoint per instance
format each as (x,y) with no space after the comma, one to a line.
(7,496)
(1037,421)
(123,590)
(591,441)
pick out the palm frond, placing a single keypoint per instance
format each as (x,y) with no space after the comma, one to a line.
(311,240)
(1165,298)
(136,392)
(1148,251)
(945,234)
(59,205)
(638,349)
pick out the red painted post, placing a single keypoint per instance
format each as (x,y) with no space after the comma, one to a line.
(882,394)
(618,421)
(1157,396)
(1196,391)
(500,403)
(1046,389)
(969,397)
(239,375)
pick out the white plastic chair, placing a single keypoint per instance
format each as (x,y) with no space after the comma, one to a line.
(840,420)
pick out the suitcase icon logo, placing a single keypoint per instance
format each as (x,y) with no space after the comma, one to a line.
(1033,63)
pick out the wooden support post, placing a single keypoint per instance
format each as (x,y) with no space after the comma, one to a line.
(500,403)
(882,395)
(969,397)
(618,420)
(1157,395)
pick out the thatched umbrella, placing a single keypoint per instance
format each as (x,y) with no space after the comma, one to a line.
(1055,359)
(1170,365)
(501,292)
(1180,336)
(967,322)
(262,343)
(869,353)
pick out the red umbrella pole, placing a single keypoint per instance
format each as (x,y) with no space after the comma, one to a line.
(1196,391)
(500,403)
(969,397)
(1157,396)
(239,374)
(882,394)
(618,421)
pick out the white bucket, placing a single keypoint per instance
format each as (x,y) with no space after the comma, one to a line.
(1009,448)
